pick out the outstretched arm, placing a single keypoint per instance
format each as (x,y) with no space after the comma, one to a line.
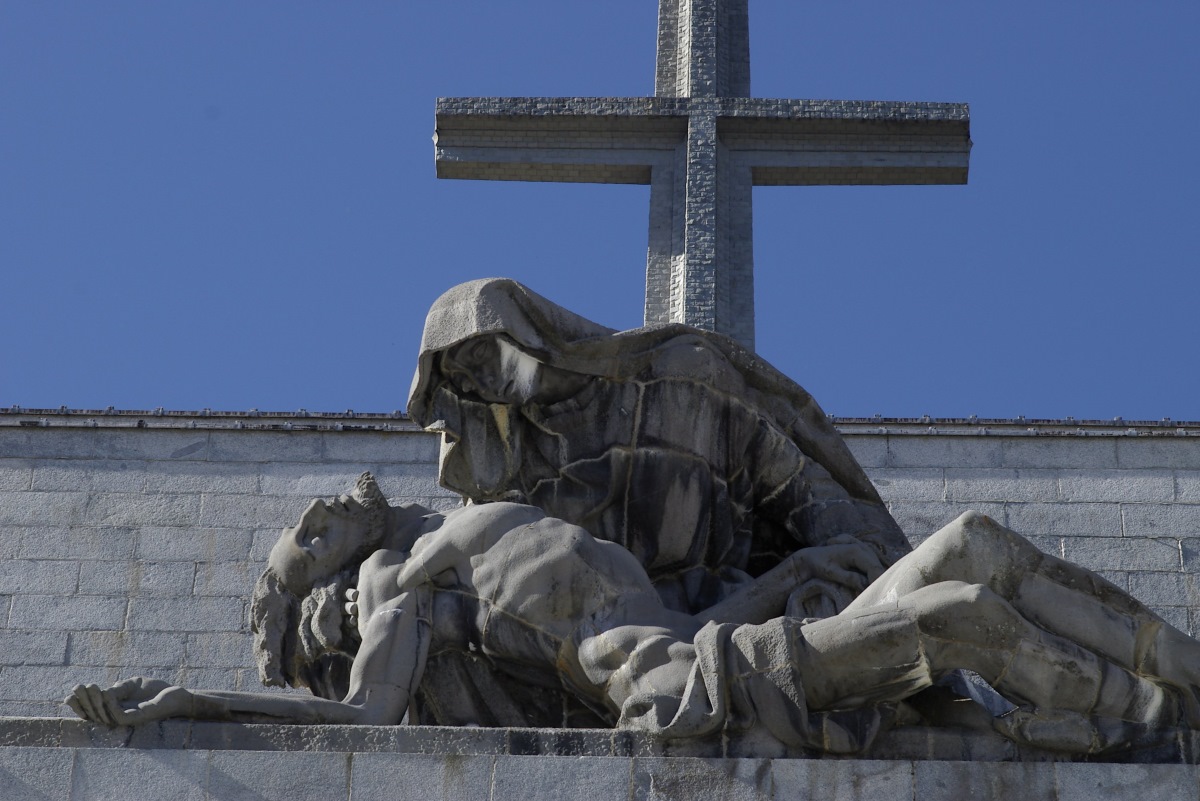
(386,670)
(139,700)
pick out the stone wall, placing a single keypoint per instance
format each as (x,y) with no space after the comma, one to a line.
(129,542)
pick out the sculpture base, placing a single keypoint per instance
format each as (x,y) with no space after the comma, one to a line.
(58,758)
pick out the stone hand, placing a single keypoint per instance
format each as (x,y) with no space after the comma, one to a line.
(833,575)
(130,702)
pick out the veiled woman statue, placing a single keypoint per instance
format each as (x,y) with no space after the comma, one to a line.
(707,464)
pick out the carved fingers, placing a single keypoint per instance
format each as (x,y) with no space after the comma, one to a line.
(818,599)
(126,703)
(853,566)
(99,706)
(352,605)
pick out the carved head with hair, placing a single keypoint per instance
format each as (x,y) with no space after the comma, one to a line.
(301,635)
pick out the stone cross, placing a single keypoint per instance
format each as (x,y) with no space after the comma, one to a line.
(702,143)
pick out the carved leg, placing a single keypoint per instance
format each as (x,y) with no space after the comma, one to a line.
(1054,594)
(892,649)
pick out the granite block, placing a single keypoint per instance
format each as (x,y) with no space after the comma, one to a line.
(377,776)
(1064,519)
(129,774)
(67,613)
(170,579)
(32,647)
(1181,453)
(845,780)
(127,649)
(266,446)
(1085,782)
(42,576)
(999,485)
(909,484)
(1060,452)
(546,778)
(1129,486)
(193,544)
(944,452)
(35,774)
(984,781)
(42,508)
(185,614)
(279,776)
(74,475)
(134,509)
(185,478)
(78,542)
(1124,553)
(1161,520)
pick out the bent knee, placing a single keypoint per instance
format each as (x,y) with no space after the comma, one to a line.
(974,532)
(948,606)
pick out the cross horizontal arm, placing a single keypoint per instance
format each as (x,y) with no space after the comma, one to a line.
(785,142)
(589,140)
(824,142)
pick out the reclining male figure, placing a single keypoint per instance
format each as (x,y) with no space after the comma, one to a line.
(541,598)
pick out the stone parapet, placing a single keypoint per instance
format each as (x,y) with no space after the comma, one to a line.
(57,759)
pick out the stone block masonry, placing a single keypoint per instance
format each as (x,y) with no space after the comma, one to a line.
(129,543)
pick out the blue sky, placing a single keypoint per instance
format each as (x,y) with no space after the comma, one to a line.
(233,204)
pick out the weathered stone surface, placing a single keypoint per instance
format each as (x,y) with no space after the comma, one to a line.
(1001,485)
(184,759)
(35,774)
(29,576)
(102,475)
(737,779)
(549,778)
(179,614)
(1141,453)
(278,776)
(1070,520)
(119,649)
(917,451)
(120,774)
(919,484)
(1035,452)
(85,543)
(1124,553)
(67,613)
(193,544)
(426,777)
(1124,782)
(32,647)
(919,519)
(985,781)
(137,578)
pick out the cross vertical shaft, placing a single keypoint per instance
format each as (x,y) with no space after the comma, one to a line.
(703,274)
(703,49)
